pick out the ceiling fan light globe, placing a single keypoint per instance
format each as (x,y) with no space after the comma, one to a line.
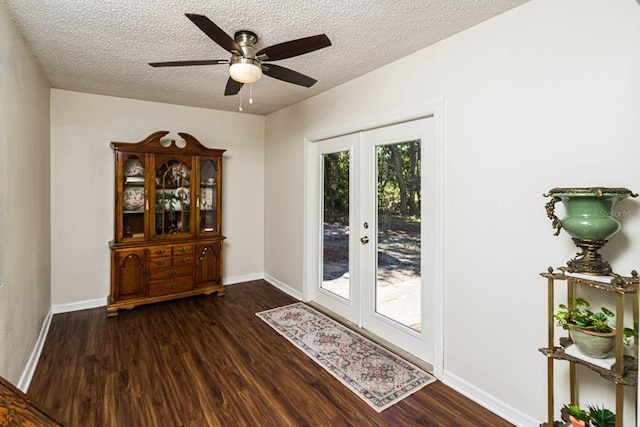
(245,71)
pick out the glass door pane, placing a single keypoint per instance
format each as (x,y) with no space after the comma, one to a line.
(172,198)
(208,197)
(398,278)
(335,223)
(133,198)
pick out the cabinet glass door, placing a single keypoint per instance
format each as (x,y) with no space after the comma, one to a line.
(172,206)
(208,197)
(133,196)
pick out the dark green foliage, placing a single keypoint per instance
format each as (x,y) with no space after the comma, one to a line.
(399,171)
(336,187)
(601,417)
(398,181)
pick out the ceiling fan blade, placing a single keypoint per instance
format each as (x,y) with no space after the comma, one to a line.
(215,33)
(287,75)
(233,87)
(294,48)
(187,63)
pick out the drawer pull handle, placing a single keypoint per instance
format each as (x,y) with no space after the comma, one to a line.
(172,286)
(172,272)
(160,251)
(183,260)
(159,262)
(182,249)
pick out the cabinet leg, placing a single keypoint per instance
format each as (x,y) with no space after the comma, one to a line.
(218,292)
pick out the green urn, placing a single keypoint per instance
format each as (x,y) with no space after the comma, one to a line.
(589,221)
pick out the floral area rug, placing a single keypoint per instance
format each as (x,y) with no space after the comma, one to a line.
(375,374)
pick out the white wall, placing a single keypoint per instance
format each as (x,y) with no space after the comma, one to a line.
(546,95)
(25,297)
(82,183)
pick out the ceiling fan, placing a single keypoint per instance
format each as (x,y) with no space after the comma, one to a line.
(246,65)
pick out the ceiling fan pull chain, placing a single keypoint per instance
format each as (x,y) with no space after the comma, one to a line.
(240,107)
(250,93)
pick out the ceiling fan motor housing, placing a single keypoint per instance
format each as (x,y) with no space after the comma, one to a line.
(246,40)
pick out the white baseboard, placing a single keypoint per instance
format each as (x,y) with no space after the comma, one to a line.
(241,279)
(488,401)
(27,374)
(102,302)
(283,287)
(78,305)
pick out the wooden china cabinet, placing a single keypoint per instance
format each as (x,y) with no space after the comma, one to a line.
(168,237)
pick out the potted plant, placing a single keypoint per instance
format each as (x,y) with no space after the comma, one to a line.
(596,417)
(166,202)
(578,417)
(590,331)
(601,417)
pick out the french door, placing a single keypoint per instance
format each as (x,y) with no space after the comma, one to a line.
(371,231)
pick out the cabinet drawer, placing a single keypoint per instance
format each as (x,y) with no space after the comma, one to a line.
(156,251)
(160,262)
(165,287)
(173,271)
(186,249)
(168,261)
(182,260)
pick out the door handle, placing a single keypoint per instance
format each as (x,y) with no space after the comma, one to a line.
(364,240)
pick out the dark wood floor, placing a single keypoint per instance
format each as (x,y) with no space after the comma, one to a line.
(210,361)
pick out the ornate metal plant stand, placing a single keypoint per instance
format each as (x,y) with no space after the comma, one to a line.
(625,370)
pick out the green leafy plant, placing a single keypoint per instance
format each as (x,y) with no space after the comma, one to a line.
(628,334)
(166,202)
(579,315)
(576,412)
(601,417)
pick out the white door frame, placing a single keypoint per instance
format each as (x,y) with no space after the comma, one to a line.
(434,110)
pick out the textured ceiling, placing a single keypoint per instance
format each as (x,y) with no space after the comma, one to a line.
(103,46)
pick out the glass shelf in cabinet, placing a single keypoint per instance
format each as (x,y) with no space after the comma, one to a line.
(134,180)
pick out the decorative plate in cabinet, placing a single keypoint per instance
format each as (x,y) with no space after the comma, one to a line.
(133,198)
(133,167)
